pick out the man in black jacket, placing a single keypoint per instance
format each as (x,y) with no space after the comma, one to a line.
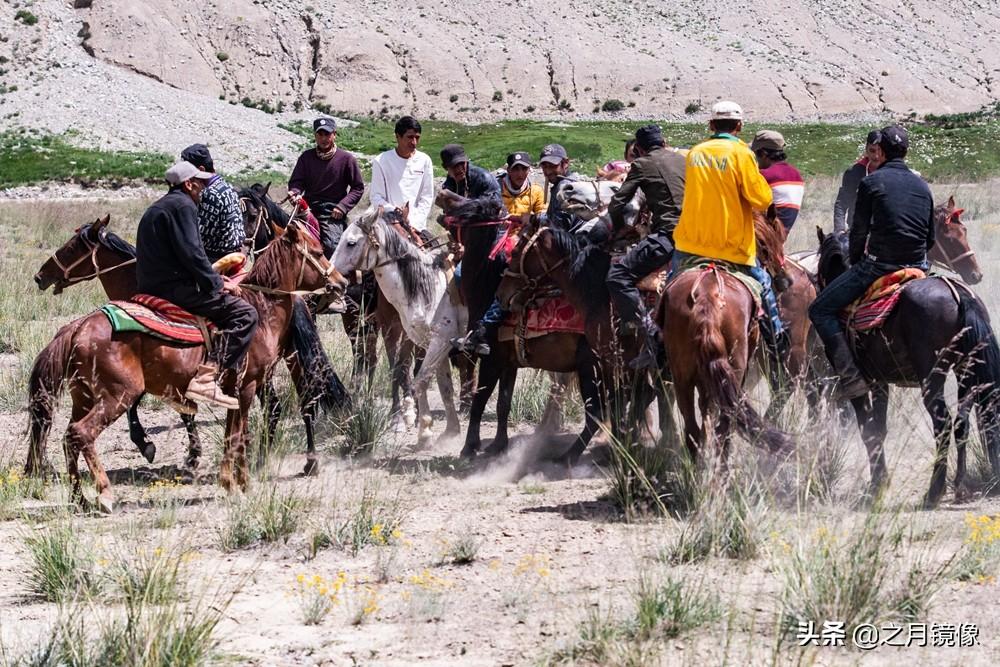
(893,228)
(659,173)
(171,264)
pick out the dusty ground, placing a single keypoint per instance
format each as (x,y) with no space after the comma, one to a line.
(551,546)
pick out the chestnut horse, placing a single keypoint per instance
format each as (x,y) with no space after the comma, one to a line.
(96,252)
(709,323)
(938,327)
(106,371)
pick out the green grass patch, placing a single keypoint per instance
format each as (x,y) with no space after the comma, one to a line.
(31,157)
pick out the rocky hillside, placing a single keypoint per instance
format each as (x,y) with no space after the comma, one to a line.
(152,73)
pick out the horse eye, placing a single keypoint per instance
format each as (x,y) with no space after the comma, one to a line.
(351,243)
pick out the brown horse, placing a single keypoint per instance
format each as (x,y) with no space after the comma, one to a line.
(709,323)
(106,372)
(96,252)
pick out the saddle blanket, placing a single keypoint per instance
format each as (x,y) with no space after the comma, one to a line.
(155,316)
(553,315)
(695,263)
(873,309)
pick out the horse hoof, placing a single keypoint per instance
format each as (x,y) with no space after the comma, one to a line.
(496,449)
(311,468)
(469,453)
(409,412)
(105,503)
(149,452)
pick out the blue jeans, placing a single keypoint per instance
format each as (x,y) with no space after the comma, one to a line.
(842,292)
(769,301)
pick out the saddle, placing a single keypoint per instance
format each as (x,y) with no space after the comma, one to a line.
(554,314)
(145,313)
(873,309)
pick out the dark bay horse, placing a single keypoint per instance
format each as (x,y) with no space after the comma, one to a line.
(96,252)
(938,327)
(107,372)
(475,225)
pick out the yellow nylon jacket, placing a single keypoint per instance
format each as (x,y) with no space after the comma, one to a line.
(531,200)
(722,186)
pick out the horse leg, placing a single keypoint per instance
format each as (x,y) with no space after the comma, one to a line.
(693,434)
(872,412)
(489,375)
(137,434)
(194,442)
(81,437)
(447,390)
(271,406)
(501,442)
(593,411)
(936,406)
(553,417)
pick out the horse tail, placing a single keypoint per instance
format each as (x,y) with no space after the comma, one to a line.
(721,385)
(48,374)
(978,345)
(321,387)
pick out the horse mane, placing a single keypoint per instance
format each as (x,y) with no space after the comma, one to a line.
(417,268)
(109,240)
(275,213)
(770,243)
(483,209)
(588,264)
(832,247)
(272,262)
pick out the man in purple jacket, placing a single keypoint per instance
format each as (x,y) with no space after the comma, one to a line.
(329,179)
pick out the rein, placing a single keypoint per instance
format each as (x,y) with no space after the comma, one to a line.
(68,280)
(949,261)
(307,258)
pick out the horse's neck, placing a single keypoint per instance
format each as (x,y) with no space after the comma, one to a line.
(119,284)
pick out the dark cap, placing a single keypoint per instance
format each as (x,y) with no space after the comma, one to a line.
(452,154)
(198,154)
(553,154)
(873,137)
(520,157)
(324,125)
(648,136)
(894,136)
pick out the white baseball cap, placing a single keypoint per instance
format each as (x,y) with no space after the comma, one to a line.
(726,110)
(185,171)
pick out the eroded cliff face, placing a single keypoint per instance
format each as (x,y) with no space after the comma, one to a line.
(464,58)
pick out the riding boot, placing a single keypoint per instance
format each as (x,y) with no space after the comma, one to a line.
(477,340)
(650,345)
(204,388)
(852,383)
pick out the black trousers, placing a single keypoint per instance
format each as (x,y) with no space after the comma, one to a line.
(330,230)
(234,318)
(650,254)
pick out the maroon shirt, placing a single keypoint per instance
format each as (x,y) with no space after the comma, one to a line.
(337,180)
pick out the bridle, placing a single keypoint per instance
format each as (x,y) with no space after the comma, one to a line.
(949,261)
(307,258)
(67,280)
(262,216)
(531,283)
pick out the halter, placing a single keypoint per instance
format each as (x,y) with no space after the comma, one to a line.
(531,283)
(306,257)
(261,217)
(68,280)
(371,236)
(949,261)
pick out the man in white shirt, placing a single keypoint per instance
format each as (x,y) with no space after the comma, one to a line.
(404,175)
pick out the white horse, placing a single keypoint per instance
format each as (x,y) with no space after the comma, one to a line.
(589,200)
(416,283)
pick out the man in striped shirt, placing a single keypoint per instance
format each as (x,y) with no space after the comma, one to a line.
(786,183)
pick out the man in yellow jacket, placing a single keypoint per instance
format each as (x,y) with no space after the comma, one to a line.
(519,194)
(722,187)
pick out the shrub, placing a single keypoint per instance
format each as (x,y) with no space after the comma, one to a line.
(222,56)
(692,108)
(453,98)
(266,515)
(497,96)
(612,105)
(731,522)
(25,17)
(61,568)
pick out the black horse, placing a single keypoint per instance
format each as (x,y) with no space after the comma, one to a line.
(938,327)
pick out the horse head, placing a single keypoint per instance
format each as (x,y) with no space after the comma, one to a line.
(540,260)
(76,260)
(951,247)
(295,262)
(360,243)
(834,257)
(262,217)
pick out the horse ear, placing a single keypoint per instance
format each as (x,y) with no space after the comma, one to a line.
(951,203)
(956,214)
(266,188)
(292,232)
(820,235)
(102,222)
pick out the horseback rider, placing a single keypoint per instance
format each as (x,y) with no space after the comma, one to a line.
(723,186)
(329,180)
(847,195)
(405,175)
(893,228)
(554,162)
(518,193)
(171,264)
(220,222)
(659,172)
(787,186)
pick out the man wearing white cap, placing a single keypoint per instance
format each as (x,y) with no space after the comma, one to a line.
(722,187)
(171,264)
